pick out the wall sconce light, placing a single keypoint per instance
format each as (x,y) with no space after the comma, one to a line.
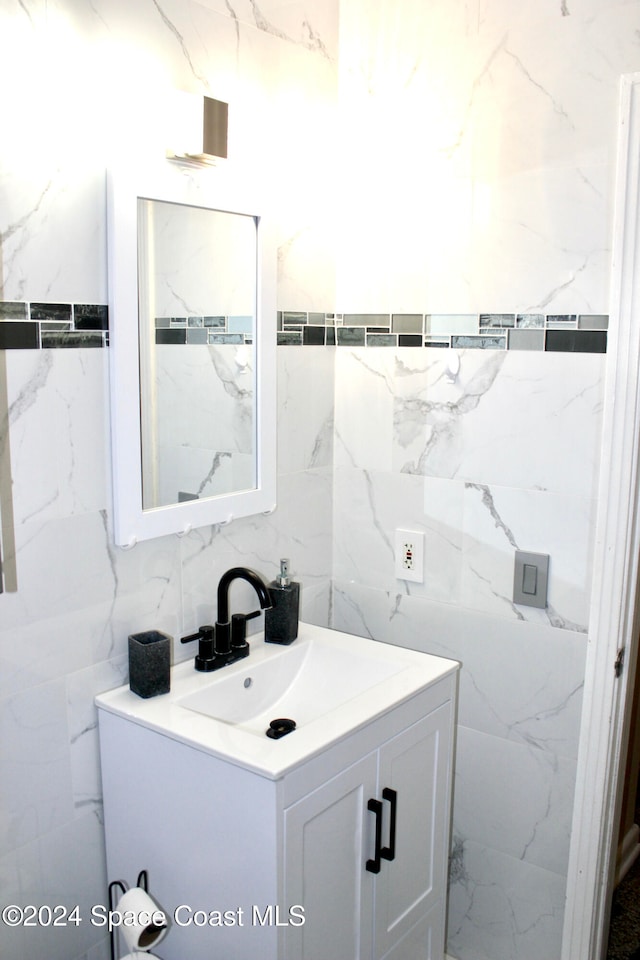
(198,132)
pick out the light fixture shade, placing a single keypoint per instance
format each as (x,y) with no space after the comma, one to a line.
(197,128)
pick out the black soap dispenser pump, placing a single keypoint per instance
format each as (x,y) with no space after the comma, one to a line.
(281,621)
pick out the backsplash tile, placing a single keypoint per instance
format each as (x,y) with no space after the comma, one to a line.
(35,325)
(203,330)
(570,333)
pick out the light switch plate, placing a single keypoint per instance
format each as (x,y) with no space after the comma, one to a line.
(530,579)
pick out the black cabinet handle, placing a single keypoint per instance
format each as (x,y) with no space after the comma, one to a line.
(388,853)
(375,806)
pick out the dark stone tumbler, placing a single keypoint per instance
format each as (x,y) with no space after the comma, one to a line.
(149,663)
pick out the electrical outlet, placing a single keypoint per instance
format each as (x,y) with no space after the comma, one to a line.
(409,555)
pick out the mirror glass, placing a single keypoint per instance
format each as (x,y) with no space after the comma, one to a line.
(197,315)
(192,354)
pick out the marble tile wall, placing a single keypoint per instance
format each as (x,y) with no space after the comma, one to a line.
(92,97)
(449,444)
(478,144)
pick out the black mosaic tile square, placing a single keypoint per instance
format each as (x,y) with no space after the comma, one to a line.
(313,336)
(171,336)
(90,316)
(19,335)
(72,338)
(576,341)
(51,311)
(409,339)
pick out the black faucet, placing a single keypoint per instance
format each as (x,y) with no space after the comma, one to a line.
(227,641)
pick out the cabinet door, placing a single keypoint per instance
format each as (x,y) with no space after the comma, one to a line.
(415,765)
(329,835)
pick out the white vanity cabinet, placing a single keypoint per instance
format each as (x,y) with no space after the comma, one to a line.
(396,907)
(238,859)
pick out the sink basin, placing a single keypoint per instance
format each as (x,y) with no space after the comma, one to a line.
(303,684)
(329,683)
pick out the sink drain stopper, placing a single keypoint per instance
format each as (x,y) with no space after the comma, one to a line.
(280,728)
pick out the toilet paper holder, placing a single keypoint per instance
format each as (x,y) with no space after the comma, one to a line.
(135,901)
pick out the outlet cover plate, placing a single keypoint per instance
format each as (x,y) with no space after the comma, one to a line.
(409,555)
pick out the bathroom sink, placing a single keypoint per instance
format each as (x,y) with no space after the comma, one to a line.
(330,684)
(302,684)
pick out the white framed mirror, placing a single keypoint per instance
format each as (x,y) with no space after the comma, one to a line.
(192,320)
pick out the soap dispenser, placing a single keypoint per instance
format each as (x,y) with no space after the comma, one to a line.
(281,621)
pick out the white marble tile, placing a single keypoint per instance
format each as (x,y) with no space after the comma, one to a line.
(82,688)
(49,873)
(13,938)
(499,520)
(501,908)
(364,408)
(370,506)
(35,784)
(519,681)
(514,798)
(312,26)
(485,416)
(58,420)
(306,382)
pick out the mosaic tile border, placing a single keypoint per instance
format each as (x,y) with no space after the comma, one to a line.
(30,325)
(199,330)
(565,333)
(35,325)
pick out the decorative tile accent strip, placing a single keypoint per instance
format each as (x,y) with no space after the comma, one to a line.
(568,333)
(34,326)
(203,330)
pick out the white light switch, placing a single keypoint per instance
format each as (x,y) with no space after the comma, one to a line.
(530,579)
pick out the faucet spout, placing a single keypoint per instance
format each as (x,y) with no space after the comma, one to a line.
(240,573)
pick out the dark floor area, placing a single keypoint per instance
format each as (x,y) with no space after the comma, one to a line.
(624,929)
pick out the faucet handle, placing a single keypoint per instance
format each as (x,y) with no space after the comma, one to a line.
(206,655)
(239,629)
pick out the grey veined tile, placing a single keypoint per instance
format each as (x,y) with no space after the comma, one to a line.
(526,321)
(479,343)
(499,320)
